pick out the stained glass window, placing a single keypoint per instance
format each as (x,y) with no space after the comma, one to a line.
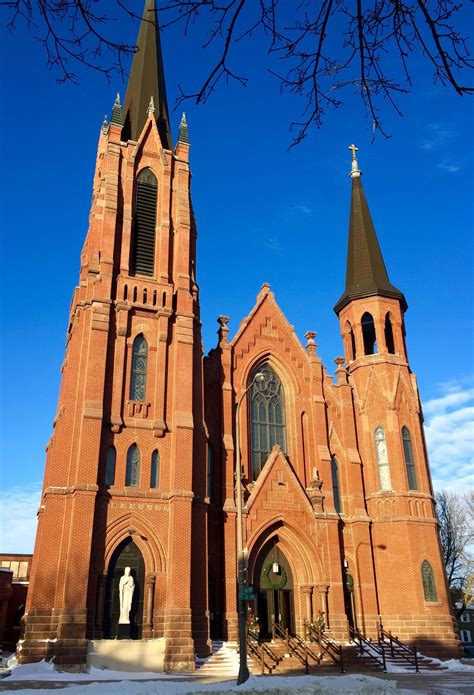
(267,414)
(110,466)
(132,473)
(429,586)
(336,488)
(382,459)
(155,469)
(409,462)
(139,369)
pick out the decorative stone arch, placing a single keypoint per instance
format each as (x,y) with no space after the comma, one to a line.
(149,544)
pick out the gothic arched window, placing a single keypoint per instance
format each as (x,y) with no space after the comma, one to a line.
(409,462)
(155,469)
(110,466)
(336,485)
(267,415)
(139,369)
(382,459)
(429,586)
(144,224)
(132,473)
(350,341)
(368,334)
(389,341)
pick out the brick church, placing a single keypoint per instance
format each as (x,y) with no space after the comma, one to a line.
(338,515)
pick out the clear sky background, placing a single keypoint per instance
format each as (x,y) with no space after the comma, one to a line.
(264,214)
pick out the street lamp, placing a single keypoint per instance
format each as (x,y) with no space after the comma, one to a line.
(243,668)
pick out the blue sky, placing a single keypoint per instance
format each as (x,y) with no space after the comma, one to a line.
(264,214)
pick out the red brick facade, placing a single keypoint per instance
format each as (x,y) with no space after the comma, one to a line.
(186,531)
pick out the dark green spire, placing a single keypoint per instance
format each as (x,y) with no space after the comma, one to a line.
(147,81)
(183,135)
(366,274)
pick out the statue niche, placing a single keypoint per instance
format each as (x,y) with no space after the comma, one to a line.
(123,609)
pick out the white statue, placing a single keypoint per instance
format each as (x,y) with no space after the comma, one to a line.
(126,589)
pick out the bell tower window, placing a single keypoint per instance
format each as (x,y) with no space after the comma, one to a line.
(110,466)
(267,415)
(132,473)
(144,224)
(155,469)
(382,459)
(389,342)
(368,334)
(139,369)
(336,486)
(409,462)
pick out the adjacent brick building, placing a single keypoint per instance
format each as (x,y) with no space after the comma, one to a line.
(338,502)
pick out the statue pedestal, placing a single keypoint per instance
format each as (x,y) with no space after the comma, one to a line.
(123,631)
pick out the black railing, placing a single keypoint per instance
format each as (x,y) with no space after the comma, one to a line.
(397,648)
(261,653)
(326,646)
(373,650)
(297,647)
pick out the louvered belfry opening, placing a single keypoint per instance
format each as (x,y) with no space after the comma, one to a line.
(144,224)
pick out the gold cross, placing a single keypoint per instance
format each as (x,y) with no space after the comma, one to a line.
(354,150)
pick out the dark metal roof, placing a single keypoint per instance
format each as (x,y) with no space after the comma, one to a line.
(366,274)
(147,80)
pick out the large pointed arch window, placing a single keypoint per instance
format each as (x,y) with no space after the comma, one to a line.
(132,472)
(139,369)
(144,224)
(409,461)
(429,585)
(382,459)
(267,414)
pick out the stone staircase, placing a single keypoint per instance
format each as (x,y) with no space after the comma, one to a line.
(224,660)
(371,659)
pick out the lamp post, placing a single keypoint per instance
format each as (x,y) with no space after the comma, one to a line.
(243,668)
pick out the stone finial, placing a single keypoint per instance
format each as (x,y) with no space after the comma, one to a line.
(311,345)
(315,494)
(105,124)
(151,107)
(117,112)
(183,135)
(223,331)
(341,372)
(355,171)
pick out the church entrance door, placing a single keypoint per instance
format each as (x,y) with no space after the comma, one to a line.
(273,582)
(127,554)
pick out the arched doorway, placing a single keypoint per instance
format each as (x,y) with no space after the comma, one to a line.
(273,586)
(127,554)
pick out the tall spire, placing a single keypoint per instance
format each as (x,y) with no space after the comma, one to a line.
(146,81)
(366,274)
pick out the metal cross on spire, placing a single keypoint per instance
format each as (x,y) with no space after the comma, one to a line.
(355,171)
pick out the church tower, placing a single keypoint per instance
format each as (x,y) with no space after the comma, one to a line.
(411,591)
(125,480)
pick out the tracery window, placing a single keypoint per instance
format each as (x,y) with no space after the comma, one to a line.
(336,486)
(429,586)
(409,461)
(155,469)
(267,415)
(144,224)
(132,473)
(139,369)
(382,459)
(110,466)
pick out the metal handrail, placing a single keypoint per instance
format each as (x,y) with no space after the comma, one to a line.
(326,646)
(296,646)
(369,647)
(260,650)
(383,634)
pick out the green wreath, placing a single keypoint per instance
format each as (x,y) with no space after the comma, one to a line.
(274,585)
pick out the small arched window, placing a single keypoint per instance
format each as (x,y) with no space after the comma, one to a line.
(382,459)
(155,469)
(336,486)
(110,466)
(389,341)
(144,224)
(368,334)
(139,369)
(429,585)
(409,461)
(210,470)
(350,341)
(132,473)
(267,414)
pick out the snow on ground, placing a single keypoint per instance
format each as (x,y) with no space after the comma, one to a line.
(271,685)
